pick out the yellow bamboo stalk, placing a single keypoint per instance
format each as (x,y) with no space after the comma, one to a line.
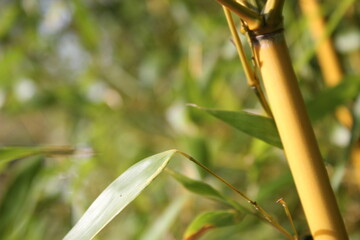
(355,157)
(327,58)
(329,62)
(330,67)
(298,138)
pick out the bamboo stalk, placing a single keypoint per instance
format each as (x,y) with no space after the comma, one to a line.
(288,108)
(328,60)
(330,67)
(355,156)
(298,138)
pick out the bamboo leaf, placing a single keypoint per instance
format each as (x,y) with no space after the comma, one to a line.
(257,126)
(197,187)
(328,100)
(16,202)
(118,195)
(12,153)
(205,190)
(210,220)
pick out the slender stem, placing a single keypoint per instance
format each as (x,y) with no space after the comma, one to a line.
(251,77)
(252,18)
(288,214)
(258,208)
(216,176)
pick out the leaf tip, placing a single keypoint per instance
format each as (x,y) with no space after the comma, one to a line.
(193,105)
(199,233)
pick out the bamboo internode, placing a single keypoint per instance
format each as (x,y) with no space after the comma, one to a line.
(288,110)
(298,138)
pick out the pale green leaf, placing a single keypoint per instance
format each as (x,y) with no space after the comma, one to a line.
(118,195)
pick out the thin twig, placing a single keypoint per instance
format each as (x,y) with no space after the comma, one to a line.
(288,214)
(263,213)
(251,76)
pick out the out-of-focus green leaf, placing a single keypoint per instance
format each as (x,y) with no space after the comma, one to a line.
(85,24)
(257,126)
(199,149)
(161,225)
(9,14)
(197,187)
(16,202)
(210,220)
(327,101)
(10,61)
(118,195)
(12,153)
(268,189)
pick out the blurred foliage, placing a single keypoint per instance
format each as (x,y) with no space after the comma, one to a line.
(114,77)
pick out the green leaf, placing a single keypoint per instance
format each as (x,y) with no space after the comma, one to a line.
(206,190)
(17,202)
(270,187)
(12,153)
(9,15)
(161,225)
(210,220)
(86,25)
(257,126)
(328,100)
(197,187)
(118,195)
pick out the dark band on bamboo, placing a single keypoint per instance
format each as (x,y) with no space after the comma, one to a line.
(272,36)
(269,34)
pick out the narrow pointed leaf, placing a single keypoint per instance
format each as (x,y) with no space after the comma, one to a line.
(16,200)
(197,187)
(205,190)
(12,153)
(257,126)
(118,195)
(210,220)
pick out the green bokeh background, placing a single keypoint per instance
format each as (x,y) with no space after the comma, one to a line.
(112,79)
